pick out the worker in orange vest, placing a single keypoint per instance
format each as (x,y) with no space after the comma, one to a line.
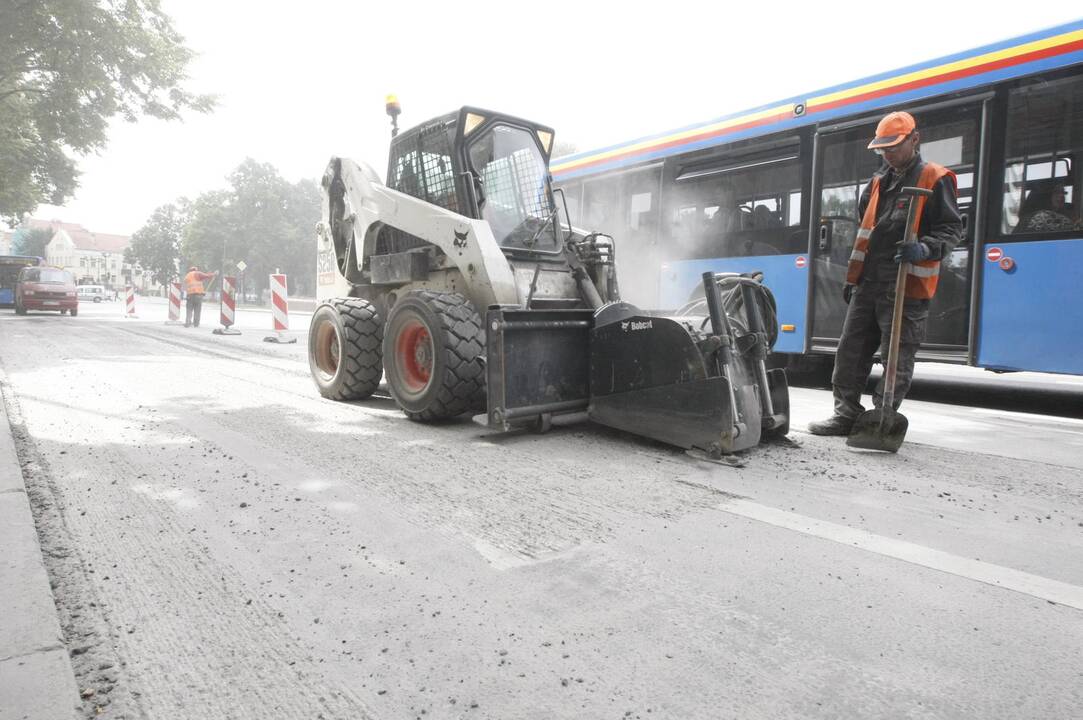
(193,286)
(873,268)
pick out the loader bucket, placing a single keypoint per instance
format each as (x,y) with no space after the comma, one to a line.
(650,377)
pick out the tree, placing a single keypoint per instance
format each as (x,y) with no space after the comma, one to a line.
(263,220)
(156,245)
(209,230)
(31,241)
(66,68)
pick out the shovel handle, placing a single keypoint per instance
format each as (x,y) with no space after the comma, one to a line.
(909,235)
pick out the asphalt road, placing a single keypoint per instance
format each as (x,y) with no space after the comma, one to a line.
(231,545)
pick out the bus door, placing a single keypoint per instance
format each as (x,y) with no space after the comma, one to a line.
(740,212)
(1031,308)
(949,136)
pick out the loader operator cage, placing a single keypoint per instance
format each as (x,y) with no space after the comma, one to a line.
(513,179)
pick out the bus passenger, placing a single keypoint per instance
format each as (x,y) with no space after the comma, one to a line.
(870,278)
(1048,215)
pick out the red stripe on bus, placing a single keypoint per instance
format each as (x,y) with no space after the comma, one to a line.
(946,77)
(924,82)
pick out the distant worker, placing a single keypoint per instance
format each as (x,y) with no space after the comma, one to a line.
(870,278)
(193,286)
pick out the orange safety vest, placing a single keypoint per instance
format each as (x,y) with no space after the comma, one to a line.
(922,277)
(193,282)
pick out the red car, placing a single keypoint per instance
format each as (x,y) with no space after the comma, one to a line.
(45,288)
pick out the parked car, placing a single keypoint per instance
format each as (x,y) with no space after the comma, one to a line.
(91,293)
(46,288)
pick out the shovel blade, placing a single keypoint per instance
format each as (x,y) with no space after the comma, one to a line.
(878,429)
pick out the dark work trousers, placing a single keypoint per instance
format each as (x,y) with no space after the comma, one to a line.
(192,308)
(868,327)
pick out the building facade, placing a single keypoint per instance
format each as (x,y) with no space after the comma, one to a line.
(94,258)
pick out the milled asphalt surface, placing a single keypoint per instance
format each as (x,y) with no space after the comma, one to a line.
(36,677)
(263,553)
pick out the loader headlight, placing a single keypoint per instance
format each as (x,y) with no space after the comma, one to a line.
(546,138)
(471,123)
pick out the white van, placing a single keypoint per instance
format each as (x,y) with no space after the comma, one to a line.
(91,292)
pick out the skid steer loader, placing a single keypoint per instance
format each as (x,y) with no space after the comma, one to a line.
(463,283)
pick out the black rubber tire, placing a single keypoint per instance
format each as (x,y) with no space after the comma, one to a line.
(453,356)
(344,341)
(73,312)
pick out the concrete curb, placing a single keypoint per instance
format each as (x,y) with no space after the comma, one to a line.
(36,676)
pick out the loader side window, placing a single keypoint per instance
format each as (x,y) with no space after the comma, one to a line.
(406,174)
(437,171)
(423,168)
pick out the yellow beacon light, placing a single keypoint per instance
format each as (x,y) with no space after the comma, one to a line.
(391,104)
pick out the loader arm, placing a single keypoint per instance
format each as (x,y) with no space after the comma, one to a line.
(369,205)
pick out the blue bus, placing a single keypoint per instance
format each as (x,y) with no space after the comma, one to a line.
(10,265)
(776,189)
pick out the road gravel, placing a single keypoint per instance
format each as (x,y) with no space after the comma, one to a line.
(227,544)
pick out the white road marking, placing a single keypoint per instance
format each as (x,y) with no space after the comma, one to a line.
(1027,416)
(1034,585)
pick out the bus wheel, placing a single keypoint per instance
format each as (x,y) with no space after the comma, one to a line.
(433,347)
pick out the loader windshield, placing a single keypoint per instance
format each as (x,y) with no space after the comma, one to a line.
(515,198)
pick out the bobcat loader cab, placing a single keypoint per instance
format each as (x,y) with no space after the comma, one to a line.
(462,282)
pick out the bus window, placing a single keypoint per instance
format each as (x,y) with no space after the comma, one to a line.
(626,206)
(1040,174)
(739,207)
(601,205)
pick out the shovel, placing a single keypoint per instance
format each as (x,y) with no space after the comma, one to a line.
(884,428)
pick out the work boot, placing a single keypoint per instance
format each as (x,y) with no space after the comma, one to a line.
(834,425)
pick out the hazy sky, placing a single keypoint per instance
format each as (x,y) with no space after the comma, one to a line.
(300,83)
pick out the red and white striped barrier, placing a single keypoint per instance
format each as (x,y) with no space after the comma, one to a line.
(174,302)
(280,312)
(229,306)
(129,302)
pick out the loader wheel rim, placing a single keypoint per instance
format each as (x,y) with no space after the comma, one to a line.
(414,352)
(327,349)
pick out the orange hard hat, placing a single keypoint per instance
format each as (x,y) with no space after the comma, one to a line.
(892,130)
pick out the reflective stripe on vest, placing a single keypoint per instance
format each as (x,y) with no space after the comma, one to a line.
(922,277)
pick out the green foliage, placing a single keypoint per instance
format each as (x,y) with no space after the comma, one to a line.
(27,241)
(66,68)
(261,219)
(155,246)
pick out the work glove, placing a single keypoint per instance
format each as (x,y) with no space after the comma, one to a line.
(912,252)
(847,292)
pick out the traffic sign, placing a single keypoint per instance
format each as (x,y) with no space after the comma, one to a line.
(241,265)
(800,262)
(994,254)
